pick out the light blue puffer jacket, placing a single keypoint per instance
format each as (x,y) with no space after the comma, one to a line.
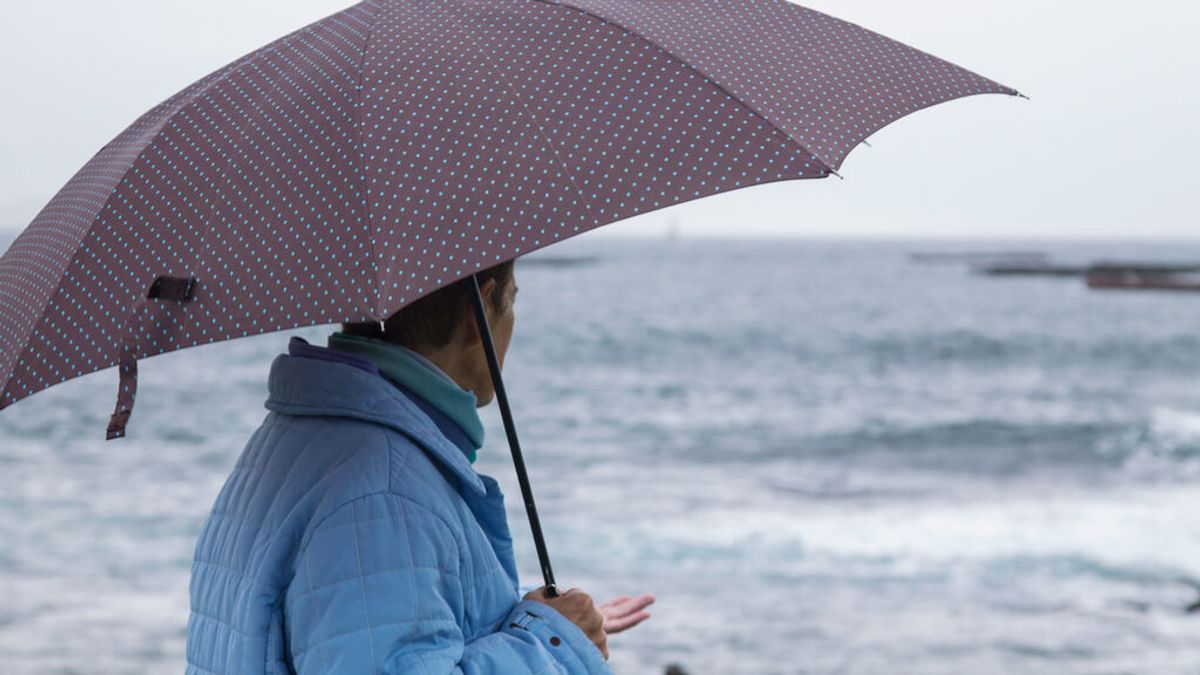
(354,537)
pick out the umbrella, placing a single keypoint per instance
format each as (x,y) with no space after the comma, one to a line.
(390,149)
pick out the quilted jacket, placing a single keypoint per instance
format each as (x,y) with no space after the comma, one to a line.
(353,537)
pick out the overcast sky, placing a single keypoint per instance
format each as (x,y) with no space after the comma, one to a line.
(1107,147)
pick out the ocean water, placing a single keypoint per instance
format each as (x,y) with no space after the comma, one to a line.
(820,456)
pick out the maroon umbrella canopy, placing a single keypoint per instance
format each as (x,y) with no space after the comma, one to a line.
(390,149)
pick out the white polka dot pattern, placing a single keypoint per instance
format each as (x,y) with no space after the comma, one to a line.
(544,123)
(390,149)
(248,180)
(827,83)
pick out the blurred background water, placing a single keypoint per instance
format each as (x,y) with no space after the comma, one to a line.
(820,456)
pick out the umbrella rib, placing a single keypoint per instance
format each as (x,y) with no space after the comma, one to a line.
(137,145)
(362,165)
(205,240)
(525,107)
(826,165)
(671,55)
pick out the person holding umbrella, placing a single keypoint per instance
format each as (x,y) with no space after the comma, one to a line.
(373,169)
(354,535)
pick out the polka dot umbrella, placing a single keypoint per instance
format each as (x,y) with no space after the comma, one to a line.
(374,156)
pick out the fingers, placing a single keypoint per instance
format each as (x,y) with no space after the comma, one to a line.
(627,605)
(624,613)
(615,601)
(624,623)
(641,602)
(617,615)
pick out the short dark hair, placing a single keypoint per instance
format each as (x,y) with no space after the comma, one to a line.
(430,321)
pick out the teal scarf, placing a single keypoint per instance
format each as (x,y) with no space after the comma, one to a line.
(421,376)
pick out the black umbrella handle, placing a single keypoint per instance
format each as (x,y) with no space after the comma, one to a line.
(514,445)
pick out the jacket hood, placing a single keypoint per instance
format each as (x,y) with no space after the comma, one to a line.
(313,387)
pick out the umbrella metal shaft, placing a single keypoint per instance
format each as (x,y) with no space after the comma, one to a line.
(510,429)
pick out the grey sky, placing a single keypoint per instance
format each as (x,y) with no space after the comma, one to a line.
(1105,148)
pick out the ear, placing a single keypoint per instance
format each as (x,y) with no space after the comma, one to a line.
(471,335)
(488,287)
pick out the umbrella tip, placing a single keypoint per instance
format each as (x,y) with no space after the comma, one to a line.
(835,173)
(1020,95)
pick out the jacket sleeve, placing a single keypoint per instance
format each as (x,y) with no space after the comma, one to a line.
(379,588)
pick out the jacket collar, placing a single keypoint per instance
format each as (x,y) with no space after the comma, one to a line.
(435,393)
(304,386)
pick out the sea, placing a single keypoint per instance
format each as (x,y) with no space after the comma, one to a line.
(821,456)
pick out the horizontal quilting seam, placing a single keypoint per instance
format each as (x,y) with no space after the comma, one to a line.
(313,528)
(390,570)
(247,469)
(426,656)
(426,621)
(239,522)
(296,452)
(321,408)
(306,537)
(194,668)
(472,581)
(232,517)
(451,530)
(349,502)
(242,576)
(333,527)
(226,624)
(407,452)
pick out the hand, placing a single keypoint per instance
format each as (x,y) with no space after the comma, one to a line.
(624,612)
(578,607)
